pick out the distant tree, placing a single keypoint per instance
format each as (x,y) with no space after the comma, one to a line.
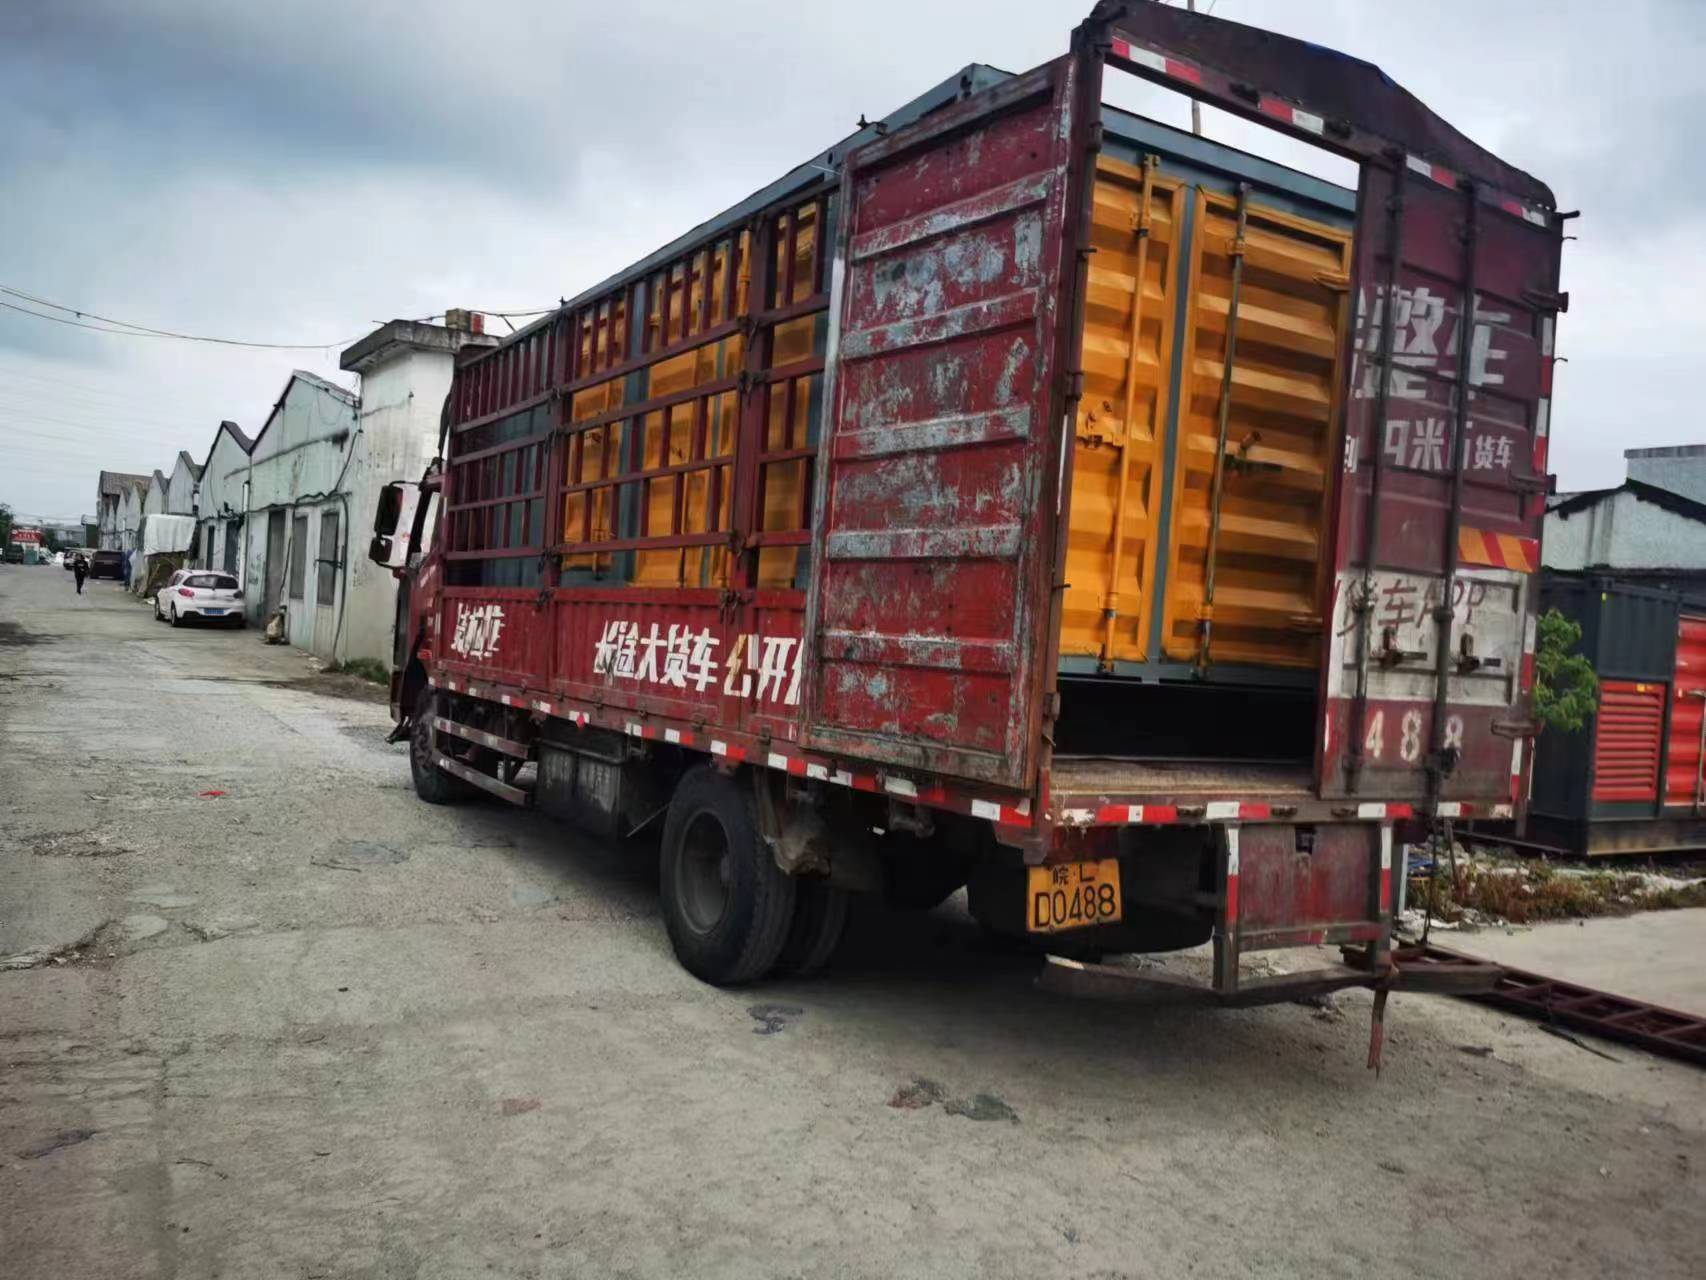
(1566,690)
(5,524)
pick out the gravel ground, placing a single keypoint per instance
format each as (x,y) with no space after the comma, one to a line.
(317,1028)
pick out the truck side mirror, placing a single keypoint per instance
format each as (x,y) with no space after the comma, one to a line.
(393,522)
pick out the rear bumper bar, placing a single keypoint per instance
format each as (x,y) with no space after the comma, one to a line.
(1110,982)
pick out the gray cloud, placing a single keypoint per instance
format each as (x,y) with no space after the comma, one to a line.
(297,171)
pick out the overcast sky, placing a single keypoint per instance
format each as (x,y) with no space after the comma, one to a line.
(296,171)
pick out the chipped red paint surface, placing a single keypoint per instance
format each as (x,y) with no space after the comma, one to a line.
(935,518)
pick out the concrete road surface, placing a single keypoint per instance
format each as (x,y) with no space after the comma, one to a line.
(1656,956)
(317,1028)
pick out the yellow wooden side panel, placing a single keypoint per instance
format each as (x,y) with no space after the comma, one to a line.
(783,483)
(1279,445)
(1111,544)
(665,438)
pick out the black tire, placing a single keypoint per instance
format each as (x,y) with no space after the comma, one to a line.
(726,904)
(820,918)
(432,784)
(176,620)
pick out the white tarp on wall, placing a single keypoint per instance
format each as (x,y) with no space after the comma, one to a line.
(165,535)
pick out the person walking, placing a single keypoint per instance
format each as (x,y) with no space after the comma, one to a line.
(80,570)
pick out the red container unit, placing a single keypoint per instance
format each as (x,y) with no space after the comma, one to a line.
(1685,759)
(1632,779)
(766,535)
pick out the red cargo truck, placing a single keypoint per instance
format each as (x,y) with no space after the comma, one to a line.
(1023,496)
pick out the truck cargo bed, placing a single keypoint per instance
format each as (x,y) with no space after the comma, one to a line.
(1090,777)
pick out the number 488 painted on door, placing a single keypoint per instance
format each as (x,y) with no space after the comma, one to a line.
(1410,741)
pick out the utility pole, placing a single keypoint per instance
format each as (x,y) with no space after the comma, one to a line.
(1196,107)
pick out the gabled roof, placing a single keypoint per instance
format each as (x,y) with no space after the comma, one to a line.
(191,463)
(113,482)
(244,441)
(349,398)
(313,379)
(1675,503)
(227,427)
(160,476)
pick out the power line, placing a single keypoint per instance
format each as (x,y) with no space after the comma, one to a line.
(89,415)
(94,395)
(126,329)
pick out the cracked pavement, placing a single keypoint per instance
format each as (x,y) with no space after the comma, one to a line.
(313,1027)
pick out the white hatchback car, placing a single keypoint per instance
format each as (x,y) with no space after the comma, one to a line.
(205,595)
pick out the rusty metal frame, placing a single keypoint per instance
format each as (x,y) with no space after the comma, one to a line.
(1438,764)
(1554,1003)
(1372,527)
(1223,415)
(1083,67)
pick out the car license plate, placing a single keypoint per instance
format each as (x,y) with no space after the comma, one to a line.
(213,612)
(1073,895)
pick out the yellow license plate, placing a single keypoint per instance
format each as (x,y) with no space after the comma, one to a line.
(1072,895)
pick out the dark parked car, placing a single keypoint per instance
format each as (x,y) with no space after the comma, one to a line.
(106,564)
(13,554)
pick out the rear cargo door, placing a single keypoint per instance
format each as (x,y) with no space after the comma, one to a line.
(1441,493)
(1437,508)
(938,479)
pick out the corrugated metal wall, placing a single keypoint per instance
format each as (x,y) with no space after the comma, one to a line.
(1630,733)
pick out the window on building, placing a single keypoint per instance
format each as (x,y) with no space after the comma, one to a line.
(326,591)
(298,556)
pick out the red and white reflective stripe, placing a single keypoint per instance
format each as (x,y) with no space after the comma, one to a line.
(1385,868)
(1543,407)
(1451,809)
(1437,172)
(1378,811)
(1231,875)
(1296,116)
(1446,178)
(1150,815)
(1156,62)
(1503,811)
(795,765)
(728,752)
(578,718)
(1522,211)
(1516,771)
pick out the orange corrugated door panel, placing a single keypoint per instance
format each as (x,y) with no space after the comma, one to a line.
(1627,744)
(1683,774)
(1116,468)
(1280,443)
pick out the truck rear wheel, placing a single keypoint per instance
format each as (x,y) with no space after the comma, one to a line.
(820,918)
(726,904)
(432,784)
